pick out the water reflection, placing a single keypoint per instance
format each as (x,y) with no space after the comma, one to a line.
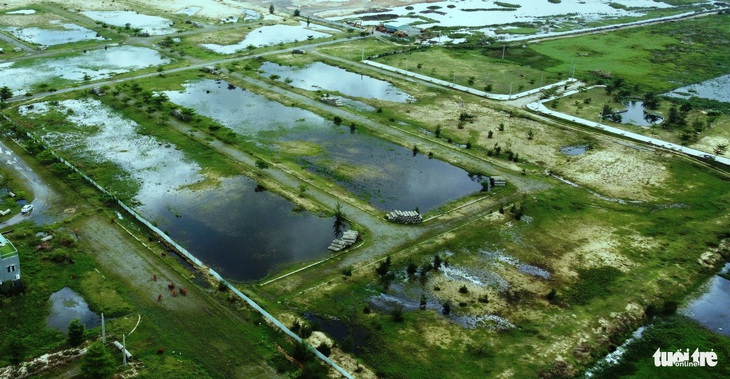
(67,305)
(320,75)
(69,33)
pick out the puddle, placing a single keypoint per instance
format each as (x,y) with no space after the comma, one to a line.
(713,89)
(351,338)
(409,297)
(48,37)
(385,174)
(22,11)
(479,277)
(475,13)
(251,15)
(267,36)
(20,77)
(712,308)
(151,24)
(321,76)
(67,305)
(636,115)
(240,232)
(189,11)
(514,262)
(574,150)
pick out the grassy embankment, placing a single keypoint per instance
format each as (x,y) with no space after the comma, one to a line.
(607,263)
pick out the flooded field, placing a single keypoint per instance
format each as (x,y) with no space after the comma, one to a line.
(713,89)
(153,25)
(385,174)
(239,230)
(67,305)
(321,76)
(48,37)
(269,35)
(475,13)
(20,77)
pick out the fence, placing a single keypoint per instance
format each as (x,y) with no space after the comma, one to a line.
(182,251)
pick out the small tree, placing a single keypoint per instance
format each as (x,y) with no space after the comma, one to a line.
(296,13)
(530,135)
(490,134)
(411,269)
(5,93)
(97,363)
(271,9)
(446,310)
(720,149)
(76,333)
(261,164)
(437,132)
(397,313)
(436,262)
(15,349)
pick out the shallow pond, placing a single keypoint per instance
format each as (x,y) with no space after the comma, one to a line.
(574,150)
(385,174)
(712,308)
(713,89)
(48,37)
(635,114)
(269,35)
(153,25)
(471,13)
(189,11)
(22,11)
(241,232)
(322,76)
(67,305)
(21,76)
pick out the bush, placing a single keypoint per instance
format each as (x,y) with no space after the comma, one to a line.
(76,333)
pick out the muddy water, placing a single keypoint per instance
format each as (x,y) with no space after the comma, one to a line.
(387,175)
(67,305)
(322,76)
(243,234)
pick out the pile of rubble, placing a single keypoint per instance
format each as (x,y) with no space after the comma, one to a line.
(404,217)
(348,238)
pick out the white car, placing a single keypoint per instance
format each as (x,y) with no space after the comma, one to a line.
(27,208)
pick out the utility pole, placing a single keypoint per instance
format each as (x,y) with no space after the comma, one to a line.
(504,48)
(510,90)
(363,54)
(103,330)
(124,350)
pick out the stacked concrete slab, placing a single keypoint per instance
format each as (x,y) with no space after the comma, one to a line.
(348,238)
(404,217)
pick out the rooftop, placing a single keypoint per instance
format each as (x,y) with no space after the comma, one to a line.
(6,248)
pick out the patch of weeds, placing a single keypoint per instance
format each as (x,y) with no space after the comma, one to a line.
(592,283)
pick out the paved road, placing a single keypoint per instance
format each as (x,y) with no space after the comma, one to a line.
(44,197)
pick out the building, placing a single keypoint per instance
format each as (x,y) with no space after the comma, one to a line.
(9,262)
